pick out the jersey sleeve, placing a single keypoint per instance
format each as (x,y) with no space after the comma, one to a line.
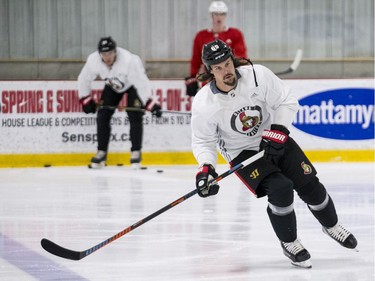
(138,77)
(85,78)
(204,134)
(279,98)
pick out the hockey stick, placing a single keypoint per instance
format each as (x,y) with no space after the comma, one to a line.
(137,109)
(59,251)
(296,62)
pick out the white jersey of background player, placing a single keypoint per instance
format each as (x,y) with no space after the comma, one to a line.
(123,73)
(127,69)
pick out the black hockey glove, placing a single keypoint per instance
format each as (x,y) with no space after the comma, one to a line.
(154,108)
(191,86)
(205,174)
(273,142)
(88,104)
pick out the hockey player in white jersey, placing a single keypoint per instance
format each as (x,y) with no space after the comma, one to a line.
(246,108)
(123,73)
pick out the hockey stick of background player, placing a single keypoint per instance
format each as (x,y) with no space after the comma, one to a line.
(137,109)
(57,250)
(296,62)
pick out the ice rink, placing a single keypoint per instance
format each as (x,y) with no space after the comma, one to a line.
(227,237)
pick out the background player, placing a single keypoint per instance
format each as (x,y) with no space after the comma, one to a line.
(247,108)
(233,37)
(123,73)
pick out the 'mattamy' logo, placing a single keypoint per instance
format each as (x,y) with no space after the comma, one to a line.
(343,114)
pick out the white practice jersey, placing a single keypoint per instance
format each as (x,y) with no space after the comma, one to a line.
(234,121)
(128,68)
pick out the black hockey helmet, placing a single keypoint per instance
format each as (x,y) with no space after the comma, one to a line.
(106,44)
(215,52)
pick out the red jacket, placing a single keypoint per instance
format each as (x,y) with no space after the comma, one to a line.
(231,36)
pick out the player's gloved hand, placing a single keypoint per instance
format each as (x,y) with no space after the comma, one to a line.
(88,104)
(273,142)
(154,108)
(192,86)
(205,174)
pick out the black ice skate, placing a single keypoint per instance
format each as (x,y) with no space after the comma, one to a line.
(98,161)
(341,235)
(135,159)
(296,253)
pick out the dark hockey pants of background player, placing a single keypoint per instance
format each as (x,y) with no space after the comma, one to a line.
(278,182)
(111,99)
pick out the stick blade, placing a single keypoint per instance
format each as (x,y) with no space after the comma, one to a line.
(293,67)
(289,70)
(59,251)
(297,60)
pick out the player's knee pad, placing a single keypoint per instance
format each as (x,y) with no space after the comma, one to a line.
(136,129)
(136,124)
(319,202)
(104,116)
(313,193)
(135,118)
(325,212)
(279,190)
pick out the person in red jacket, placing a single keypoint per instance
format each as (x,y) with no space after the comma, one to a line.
(233,37)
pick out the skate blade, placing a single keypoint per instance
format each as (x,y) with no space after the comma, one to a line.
(96,165)
(303,264)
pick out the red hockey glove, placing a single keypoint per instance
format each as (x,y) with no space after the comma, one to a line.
(154,108)
(273,142)
(192,86)
(88,104)
(205,174)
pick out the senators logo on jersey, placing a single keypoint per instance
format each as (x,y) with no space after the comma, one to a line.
(247,120)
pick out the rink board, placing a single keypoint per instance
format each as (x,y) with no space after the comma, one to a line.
(42,123)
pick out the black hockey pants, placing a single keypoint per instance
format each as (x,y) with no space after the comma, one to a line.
(294,172)
(109,101)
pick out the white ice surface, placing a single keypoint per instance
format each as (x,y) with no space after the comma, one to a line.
(227,237)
